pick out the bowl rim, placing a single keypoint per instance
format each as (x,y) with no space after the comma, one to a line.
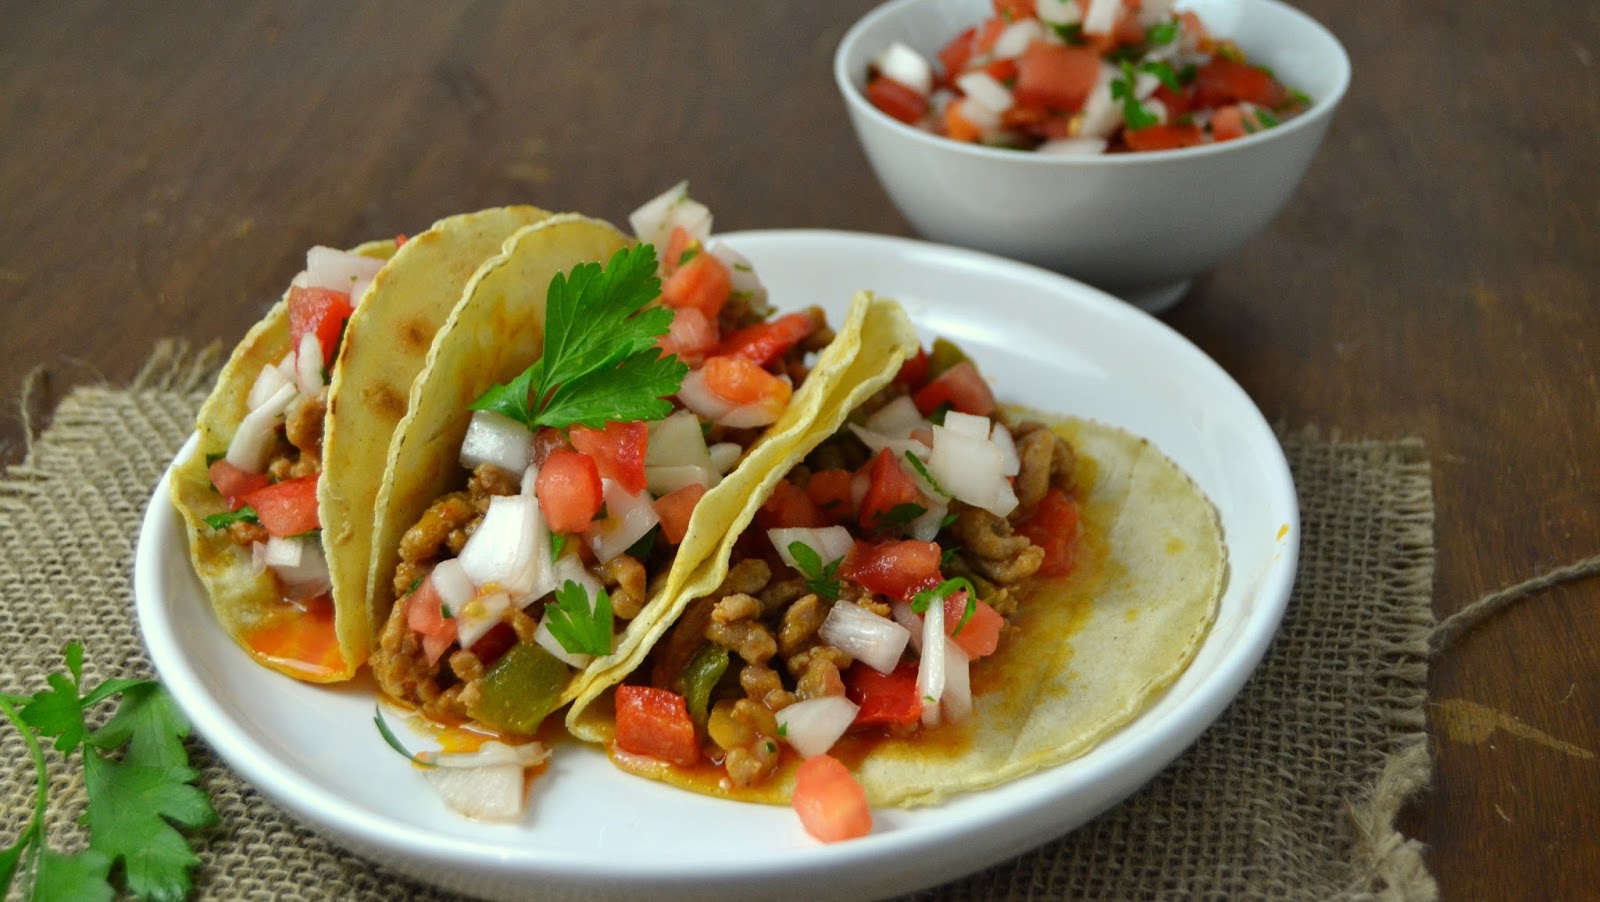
(856,101)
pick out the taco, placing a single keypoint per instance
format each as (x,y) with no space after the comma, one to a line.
(278,494)
(942,592)
(589,417)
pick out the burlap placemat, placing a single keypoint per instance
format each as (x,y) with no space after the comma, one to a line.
(1292,794)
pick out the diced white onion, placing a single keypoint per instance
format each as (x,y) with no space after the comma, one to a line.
(309,577)
(628,517)
(898,446)
(451,582)
(677,440)
(308,365)
(1101,115)
(281,552)
(970,470)
(530,481)
(742,278)
(985,118)
(877,641)
(571,568)
(829,542)
(956,704)
(1100,16)
(253,440)
(1154,12)
(897,419)
(490,754)
(1016,37)
(982,88)
(479,615)
(749,416)
(548,641)
(930,669)
(1145,84)
(654,221)
(699,398)
(1073,147)
(267,383)
(1060,12)
(904,616)
(812,726)
(495,793)
(1010,463)
(495,439)
(258,558)
(725,456)
(906,66)
(665,480)
(338,270)
(967,424)
(510,548)
(925,528)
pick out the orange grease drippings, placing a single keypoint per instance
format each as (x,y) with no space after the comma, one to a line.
(300,641)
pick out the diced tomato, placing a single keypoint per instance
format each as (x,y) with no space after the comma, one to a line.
(655,722)
(1056,76)
(958,127)
(763,343)
(888,487)
(913,372)
(960,386)
(884,698)
(692,336)
(741,381)
(954,55)
(548,439)
(1223,81)
(233,483)
(790,506)
(618,451)
(831,804)
(569,490)
(1013,10)
(898,569)
(425,615)
(1053,526)
(988,33)
(899,101)
(1227,123)
(320,311)
(1177,103)
(1003,71)
(678,243)
(1162,137)
(1196,30)
(702,282)
(287,508)
(399,241)
(675,508)
(829,490)
(980,635)
(1128,29)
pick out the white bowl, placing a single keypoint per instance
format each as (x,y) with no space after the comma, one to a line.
(1139,225)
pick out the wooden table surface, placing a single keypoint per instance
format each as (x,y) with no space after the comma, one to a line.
(164,166)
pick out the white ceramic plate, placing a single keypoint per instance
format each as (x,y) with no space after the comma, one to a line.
(596,832)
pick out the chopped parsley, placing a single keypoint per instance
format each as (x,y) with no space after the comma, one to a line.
(246,514)
(600,360)
(578,626)
(921,600)
(1162,33)
(819,577)
(902,514)
(922,470)
(1134,113)
(558,542)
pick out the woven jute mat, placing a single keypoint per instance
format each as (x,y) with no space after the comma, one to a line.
(1291,794)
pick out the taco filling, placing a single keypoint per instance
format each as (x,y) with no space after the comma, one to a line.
(580,477)
(945,593)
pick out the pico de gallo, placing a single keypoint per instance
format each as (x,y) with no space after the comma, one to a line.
(1083,77)
(577,493)
(882,565)
(268,476)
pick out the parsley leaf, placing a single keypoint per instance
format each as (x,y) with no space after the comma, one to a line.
(922,470)
(902,514)
(1162,33)
(580,628)
(140,800)
(921,600)
(558,542)
(1134,115)
(600,361)
(246,514)
(819,577)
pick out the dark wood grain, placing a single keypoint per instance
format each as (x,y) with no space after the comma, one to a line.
(164,167)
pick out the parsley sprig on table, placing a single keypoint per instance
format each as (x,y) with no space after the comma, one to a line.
(600,361)
(138,802)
